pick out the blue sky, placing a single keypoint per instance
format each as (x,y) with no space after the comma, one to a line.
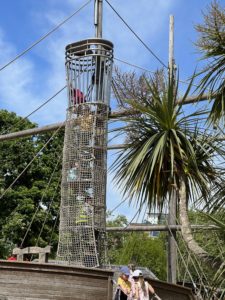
(39,74)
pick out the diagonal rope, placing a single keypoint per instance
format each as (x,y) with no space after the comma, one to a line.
(220,246)
(117,206)
(185,274)
(36,211)
(180,253)
(28,165)
(45,36)
(193,260)
(38,206)
(145,213)
(149,71)
(52,199)
(134,65)
(143,43)
(53,228)
(182,256)
(137,213)
(34,111)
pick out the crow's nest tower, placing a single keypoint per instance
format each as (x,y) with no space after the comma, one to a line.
(83,190)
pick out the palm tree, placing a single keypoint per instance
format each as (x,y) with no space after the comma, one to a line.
(166,151)
(211,44)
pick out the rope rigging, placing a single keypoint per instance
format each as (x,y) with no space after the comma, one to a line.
(28,165)
(136,35)
(149,71)
(40,202)
(204,282)
(53,228)
(195,263)
(202,287)
(182,257)
(117,206)
(34,111)
(49,207)
(45,36)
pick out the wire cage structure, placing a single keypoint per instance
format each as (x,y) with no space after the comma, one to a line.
(83,189)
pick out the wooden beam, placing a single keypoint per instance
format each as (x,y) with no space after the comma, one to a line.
(52,127)
(195,99)
(30,132)
(188,100)
(132,228)
(113,115)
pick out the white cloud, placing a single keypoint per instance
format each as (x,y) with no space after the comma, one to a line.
(15,79)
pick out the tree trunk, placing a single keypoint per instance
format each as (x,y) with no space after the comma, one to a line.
(204,256)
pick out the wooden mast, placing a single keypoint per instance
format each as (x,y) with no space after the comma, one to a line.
(172,249)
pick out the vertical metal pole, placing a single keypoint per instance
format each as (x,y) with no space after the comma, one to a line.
(172,249)
(98,18)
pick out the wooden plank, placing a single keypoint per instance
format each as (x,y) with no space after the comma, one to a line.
(171,291)
(57,268)
(19,281)
(29,280)
(32,250)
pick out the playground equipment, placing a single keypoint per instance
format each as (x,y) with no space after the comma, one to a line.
(83,190)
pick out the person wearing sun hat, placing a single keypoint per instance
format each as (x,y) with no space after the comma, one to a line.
(124,285)
(142,289)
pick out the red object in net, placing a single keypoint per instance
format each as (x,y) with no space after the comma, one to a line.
(78,97)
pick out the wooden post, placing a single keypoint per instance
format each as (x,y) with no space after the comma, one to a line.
(172,250)
(98,18)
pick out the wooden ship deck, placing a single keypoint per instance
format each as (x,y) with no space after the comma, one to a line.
(27,280)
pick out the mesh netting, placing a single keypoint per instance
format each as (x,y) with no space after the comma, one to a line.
(83,190)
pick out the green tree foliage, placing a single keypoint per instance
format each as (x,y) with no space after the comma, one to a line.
(115,239)
(137,248)
(31,192)
(214,241)
(211,44)
(142,250)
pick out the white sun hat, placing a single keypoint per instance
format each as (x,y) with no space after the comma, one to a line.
(137,273)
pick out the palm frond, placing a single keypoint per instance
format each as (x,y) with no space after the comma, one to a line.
(212,44)
(162,146)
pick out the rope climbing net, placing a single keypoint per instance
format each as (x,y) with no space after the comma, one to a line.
(83,189)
